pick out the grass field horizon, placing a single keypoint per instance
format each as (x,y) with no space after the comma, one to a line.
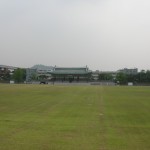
(46,117)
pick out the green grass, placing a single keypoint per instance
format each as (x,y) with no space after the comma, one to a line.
(45,117)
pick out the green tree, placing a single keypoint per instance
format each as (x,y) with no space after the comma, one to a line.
(121,78)
(148,76)
(34,76)
(19,75)
(105,77)
(142,76)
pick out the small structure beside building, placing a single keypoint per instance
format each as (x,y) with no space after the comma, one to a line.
(12,82)
(130,83)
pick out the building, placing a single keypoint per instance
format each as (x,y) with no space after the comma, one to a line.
(129,71)
(39,72)
(75,74)
(95,75)
(30,74)
(6,72)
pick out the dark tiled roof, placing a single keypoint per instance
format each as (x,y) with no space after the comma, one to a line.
(68,71)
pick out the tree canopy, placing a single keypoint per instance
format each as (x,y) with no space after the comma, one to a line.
(19,75)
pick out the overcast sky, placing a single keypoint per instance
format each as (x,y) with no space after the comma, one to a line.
(102,34)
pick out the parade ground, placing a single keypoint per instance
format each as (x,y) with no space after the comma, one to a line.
(58,117)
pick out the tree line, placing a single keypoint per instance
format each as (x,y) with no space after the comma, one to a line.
(18,75)
(142,77)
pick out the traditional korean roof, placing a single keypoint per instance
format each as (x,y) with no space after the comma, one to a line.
(75,70)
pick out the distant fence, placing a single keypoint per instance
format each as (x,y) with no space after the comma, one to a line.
(4,81)
(142,84)
(103,83)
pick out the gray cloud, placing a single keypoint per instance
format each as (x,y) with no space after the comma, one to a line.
(105,35)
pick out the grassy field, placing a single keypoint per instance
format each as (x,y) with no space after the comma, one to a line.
(45,117)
